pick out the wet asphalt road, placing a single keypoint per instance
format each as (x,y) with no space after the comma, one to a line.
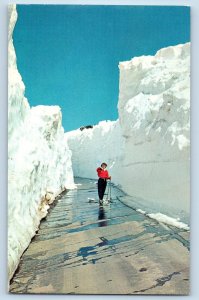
(83,249)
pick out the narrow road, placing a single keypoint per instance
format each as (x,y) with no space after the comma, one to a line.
(81,249)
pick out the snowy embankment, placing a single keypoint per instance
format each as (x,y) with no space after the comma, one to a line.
(148,151)
(90,147)
(39,161)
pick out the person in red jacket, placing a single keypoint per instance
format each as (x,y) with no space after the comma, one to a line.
(102,181)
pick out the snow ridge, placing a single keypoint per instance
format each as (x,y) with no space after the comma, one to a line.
(154,113)
(103,142)
(39,160)
(154,96)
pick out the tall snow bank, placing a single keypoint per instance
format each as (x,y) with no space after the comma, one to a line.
(39,160)
(148,149)
(154,113)
(17,103)
(90,147)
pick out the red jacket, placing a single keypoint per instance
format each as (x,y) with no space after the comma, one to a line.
(103,173)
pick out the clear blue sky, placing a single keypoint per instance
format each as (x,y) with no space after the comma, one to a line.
(68,55)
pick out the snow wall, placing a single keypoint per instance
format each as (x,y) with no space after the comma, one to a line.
(147,150)
(39,161)
(90,147)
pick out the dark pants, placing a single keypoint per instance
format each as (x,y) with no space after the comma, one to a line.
(101,187)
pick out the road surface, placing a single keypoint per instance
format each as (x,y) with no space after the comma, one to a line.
(83,249)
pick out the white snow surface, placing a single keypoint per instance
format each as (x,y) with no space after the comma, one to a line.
(39,160)
(147,150)
(168,220)
(165,219)
(154,113)
(90,147)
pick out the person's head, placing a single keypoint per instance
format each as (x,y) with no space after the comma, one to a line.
(103,165)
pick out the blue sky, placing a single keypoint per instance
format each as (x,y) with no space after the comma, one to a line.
(68,55)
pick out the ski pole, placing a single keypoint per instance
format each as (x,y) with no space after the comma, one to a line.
(110,190)
(107,193)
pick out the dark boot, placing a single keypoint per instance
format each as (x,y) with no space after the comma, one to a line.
(100,202)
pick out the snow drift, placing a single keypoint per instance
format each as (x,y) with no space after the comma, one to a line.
(90,147)
(154,113)
(39,160)
(147,149)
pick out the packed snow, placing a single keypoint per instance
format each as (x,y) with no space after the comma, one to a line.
(154,113)
(90,147)
(168,220)
(147,150)
(165,219)
(39,160)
